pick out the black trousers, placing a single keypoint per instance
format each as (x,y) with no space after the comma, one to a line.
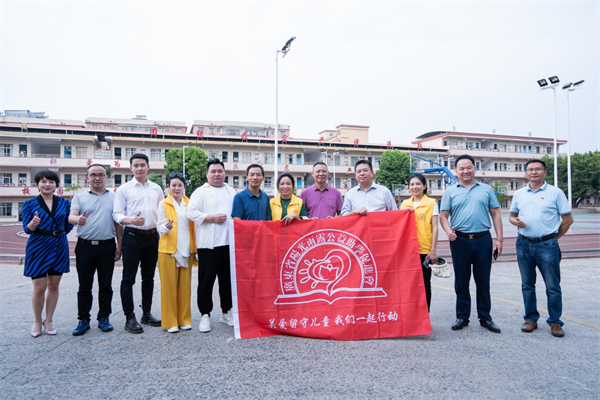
(426,281)
(212,264)
(475,254)
(89,260)
(138,250)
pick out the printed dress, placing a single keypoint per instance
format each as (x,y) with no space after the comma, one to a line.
(48,248)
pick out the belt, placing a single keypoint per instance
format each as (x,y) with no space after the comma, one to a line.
(45,232)
(95,242)
(541,239)
(472,235)
(141,231)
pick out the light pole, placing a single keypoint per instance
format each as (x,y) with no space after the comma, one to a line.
(283,50)
(569,87)
(336,152)
(184,147)
(554,81)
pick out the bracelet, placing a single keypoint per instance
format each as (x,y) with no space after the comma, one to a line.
(500,240)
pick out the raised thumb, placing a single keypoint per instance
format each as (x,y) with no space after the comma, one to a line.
(138,214)
(83,215)
(36,214)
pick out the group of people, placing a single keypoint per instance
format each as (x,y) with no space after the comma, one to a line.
(145,228)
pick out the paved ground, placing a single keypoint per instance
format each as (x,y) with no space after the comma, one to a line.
(468,364)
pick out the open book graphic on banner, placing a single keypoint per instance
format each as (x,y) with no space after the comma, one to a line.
(347,278)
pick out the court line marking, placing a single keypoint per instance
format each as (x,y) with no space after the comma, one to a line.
(543,310)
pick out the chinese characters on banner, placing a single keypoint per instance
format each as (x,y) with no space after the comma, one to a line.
(348,278)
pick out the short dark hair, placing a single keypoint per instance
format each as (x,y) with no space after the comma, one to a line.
(176,175)
(141,156)
(420,177)
(46,173)
(95,165)
(285,175)
(535,160)
(213,162)
(320,163)
(464,157)
(255,166)
(363,162)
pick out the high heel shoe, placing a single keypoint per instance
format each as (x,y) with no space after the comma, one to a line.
(35,333)
(52,332)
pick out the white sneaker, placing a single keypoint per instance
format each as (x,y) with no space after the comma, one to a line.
(227,318)
(186,327)
(173,330)
(204,323)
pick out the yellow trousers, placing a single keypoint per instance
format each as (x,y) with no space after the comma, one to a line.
(175,291)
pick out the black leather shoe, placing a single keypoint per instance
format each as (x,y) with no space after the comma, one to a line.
(148,319)
(459,324)
(490,326)
(82,327)
(104,325)
(131,324)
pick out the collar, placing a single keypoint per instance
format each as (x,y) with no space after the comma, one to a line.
(543,187)
(249,193)
(373,186)
(475,184)
(105,190)
(136,182)
(319,190)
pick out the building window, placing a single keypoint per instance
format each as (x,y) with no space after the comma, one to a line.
(502,147)
(298,182)
(67,179)
(7,149)
(118,180)
(67,152)
(246,157)
(244,181)
(537,149)
(105,126)
(548,150)
(6,209)
(225,156)
(470,145)
(81,181)
(128,177)
(236,156)
(129,151)
(213,155)
(477,165)
(22,179)
(81,152)
(155,154)
(227,179)
(453,144)
(518,167)
(6,179)
(117,153)
(236,181)
(95,126)
(517,148)
(178,130)
(337,160)
(211,131)
(268,182)
(269,159)
(500,167)
(22,150)
(299,159)
(377,161)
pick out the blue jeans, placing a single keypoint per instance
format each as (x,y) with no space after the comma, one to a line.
(478,254)
(546,256)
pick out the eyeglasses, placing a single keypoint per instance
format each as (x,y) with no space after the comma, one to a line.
(535,169)
(94,176)
(176,175)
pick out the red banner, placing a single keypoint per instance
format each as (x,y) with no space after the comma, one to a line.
(347,278)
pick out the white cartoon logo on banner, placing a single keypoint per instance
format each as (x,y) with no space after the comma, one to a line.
(328,265)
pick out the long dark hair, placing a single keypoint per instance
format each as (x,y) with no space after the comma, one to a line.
(420,177)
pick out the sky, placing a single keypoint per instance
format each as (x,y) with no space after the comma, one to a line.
(402,68)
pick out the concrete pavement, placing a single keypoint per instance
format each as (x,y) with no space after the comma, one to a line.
(468,364)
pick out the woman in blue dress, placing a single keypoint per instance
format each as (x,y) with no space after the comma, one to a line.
(45,219)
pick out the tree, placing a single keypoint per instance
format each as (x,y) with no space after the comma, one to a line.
(585,174)
(156,178)
(501,196)
(195,166)
(394,168)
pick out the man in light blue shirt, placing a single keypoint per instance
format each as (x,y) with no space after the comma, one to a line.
(469,205)
(367,196)
(542,214)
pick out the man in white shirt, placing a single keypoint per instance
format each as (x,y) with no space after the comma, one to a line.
(136,208)
(210,207)
(367,196)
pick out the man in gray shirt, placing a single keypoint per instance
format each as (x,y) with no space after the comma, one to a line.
(96,249)
(367,196)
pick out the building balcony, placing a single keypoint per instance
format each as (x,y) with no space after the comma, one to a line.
(497,154)
(499,174)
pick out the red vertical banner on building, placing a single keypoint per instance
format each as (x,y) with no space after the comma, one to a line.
(348,278)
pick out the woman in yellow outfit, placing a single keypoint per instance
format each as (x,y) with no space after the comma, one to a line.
(426,218)
(286,207)
(176,250)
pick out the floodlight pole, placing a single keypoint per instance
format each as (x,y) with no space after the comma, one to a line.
(555,142)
